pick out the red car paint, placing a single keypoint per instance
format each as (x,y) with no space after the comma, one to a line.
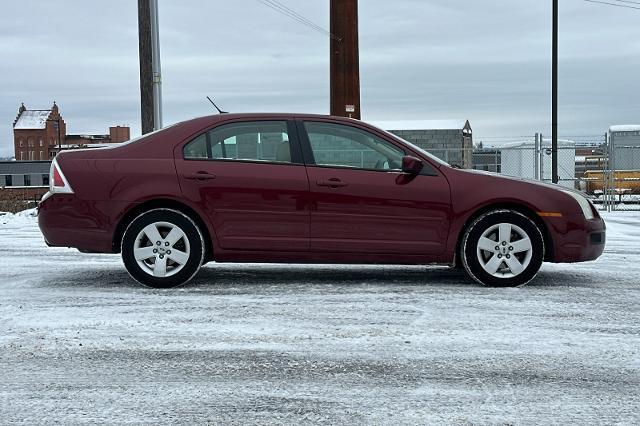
(269,212)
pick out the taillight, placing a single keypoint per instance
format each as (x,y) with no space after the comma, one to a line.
(58,184)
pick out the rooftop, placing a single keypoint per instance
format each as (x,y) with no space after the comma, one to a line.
(625,128)
(32,119)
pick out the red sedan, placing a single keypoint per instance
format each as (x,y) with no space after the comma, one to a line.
(307,189)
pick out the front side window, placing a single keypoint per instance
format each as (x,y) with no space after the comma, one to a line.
(345,146)
(247,141)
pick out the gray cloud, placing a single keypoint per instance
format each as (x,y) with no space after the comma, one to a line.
(488,61)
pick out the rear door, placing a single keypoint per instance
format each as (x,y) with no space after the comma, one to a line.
(249,178)
(363,203)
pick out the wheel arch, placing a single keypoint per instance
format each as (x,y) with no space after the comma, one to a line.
(520,208)
(157,203)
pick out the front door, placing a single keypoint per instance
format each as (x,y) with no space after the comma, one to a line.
(250,180)
(363,203)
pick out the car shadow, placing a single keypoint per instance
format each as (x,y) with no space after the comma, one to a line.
(235,276)
(265,275)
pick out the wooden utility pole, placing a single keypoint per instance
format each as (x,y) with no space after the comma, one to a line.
(554,96)
(345,61)
(146,61)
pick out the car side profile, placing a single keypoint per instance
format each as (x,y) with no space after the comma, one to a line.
(305,189)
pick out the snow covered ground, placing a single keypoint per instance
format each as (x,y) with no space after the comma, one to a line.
(80,342)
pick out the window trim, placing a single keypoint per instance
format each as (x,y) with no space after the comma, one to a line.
(292,133)
(309,158)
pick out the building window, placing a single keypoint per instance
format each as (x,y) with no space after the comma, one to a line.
(45,179)
(30,142)
(41,142)
(27,180)
(41,155)
(21,155)
(21,143)
(8,180)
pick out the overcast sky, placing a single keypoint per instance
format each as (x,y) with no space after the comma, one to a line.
(485,60)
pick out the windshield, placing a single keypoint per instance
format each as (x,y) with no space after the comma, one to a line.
(422,151)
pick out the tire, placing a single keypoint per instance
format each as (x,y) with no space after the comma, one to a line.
(502,248)
(162,248)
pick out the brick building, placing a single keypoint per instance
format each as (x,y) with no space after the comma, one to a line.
(38,135)
(37,132)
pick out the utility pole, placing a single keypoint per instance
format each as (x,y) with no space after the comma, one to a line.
(157,77)
(150,78)
(345,61)
(554,97)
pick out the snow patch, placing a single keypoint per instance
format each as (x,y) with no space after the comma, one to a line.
(34,119)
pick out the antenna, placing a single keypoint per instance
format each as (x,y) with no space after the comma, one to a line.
(216,106)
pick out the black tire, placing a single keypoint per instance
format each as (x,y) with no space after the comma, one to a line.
(191,243)
(530,260)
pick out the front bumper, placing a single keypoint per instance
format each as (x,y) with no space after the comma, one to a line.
(577,239)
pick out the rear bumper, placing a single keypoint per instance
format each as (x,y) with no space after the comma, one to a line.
(577,239)
(66,221)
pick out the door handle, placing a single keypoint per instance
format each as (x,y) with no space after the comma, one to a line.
(332,183)
(199,176)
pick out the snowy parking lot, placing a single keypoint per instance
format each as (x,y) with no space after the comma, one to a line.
(81,342)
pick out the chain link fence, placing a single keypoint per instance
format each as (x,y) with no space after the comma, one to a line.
(606,167)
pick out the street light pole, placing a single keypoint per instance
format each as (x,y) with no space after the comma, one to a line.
(554,96)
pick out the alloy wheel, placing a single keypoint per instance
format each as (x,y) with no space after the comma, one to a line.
(504,250)
(161,249)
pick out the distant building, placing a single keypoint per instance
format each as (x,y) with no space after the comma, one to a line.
(450,140)
(40,134)
(487,159)
(23,180)
(624,144)
(36,132)
(24,174)
(521,159)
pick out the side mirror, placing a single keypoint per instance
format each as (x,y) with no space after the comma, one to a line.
(411,165)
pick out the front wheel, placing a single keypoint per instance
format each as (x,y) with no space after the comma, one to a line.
(162,248)
(502,248)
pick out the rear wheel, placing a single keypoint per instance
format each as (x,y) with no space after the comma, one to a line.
(162,248)
(502,248)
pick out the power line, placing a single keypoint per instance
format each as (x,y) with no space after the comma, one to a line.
(627,1)
(295,14)
(281,8)
(615,4)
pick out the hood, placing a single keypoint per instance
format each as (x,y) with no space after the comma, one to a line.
(524,180)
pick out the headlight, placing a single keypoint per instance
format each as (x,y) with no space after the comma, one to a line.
(583,202)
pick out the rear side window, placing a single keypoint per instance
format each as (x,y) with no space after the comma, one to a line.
(247,141)
(197,148)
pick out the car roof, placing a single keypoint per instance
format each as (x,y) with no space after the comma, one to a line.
(212,119)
